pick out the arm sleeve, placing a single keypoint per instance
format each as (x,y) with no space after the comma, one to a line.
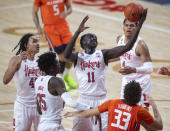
(104,107)
(37,3)
(144,115)
(147,68)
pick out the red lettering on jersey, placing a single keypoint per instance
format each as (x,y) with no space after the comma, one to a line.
(32,71)
(90,64)
(126,56)
(40,88)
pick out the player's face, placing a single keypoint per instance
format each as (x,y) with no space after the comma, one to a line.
(129,28)
(33,44)
(90,43)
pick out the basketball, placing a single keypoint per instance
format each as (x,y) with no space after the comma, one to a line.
(133,12)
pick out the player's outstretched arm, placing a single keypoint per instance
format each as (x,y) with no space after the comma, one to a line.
(157,123)
(13,66)
(68,54)
(119,50)
(56,87)
(85,113)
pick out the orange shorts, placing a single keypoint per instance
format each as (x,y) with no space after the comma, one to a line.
(58,35)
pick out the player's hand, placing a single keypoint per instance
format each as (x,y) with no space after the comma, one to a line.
(23,55)
(69,114)
(163,71)
(98,118)
(127,70)
(40,31)
(82,27)
(143,18)
(150,99)
(63,15)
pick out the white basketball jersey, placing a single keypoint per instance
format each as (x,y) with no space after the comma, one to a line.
(51,106)
(131,59)
(90,71)
(24,80)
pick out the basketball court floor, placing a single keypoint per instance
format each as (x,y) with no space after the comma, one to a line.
(106,22)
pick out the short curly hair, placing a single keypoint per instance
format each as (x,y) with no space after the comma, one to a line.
(84,37)
(132,93)
(46,61)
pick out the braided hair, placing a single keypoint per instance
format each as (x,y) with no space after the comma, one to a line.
(23,43)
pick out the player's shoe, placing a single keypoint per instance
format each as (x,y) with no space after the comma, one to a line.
(67,86)
(70,82)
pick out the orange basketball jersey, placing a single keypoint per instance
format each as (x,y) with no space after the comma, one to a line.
(123,117)
(51,10)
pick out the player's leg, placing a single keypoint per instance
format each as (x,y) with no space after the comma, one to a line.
(36,118)
(82,124)
(50,126)
(22,120)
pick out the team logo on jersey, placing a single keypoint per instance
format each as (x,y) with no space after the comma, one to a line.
(126,56)
(40,88)
(31,71)
(90,64)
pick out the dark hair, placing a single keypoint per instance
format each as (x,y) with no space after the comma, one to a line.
(84,37)
(124,21)
(46,60)
(132,93)
(23,43)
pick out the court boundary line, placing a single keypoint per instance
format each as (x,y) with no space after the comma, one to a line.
(90,13)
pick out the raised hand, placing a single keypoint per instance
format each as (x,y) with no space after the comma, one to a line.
(69,114)
(143,18)
(23,55)
(82,27)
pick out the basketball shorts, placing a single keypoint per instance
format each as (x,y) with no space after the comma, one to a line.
(58,36)
(88,124)
(24,116)
(50,126)
(146,90)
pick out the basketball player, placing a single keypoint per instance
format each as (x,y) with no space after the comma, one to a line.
(56,30)
(136,64)
(164,71)
(51,92)
(23,67)
(90,67)
(125,114)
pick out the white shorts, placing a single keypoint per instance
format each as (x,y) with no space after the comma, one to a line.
(24,116)
(50,126)
(88,124)
(146,89)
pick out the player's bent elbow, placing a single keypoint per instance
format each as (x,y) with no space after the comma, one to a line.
(5,81)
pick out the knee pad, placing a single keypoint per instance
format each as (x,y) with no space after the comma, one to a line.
(62,66)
